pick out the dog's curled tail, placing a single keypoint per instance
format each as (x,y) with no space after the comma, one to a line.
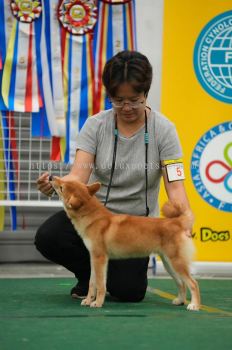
(173,209)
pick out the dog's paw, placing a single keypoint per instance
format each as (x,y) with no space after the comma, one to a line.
(178,301)
(95,304)
(86,302)
(193,307)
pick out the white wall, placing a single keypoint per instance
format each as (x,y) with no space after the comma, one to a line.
(149,19)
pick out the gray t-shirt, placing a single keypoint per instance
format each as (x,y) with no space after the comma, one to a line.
(127,194)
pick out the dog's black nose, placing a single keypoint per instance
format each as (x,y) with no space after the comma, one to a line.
(50,178)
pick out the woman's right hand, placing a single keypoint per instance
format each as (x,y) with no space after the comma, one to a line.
(43,185)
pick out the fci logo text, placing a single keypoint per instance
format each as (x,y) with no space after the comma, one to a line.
(207,234)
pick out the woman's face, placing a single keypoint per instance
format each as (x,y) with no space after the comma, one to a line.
(129,104)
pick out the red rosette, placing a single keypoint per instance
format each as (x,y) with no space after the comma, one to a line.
(78,17)
(26,10)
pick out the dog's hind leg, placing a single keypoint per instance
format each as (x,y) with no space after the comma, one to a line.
(181,298)
(195,293)
(182,269)
(100,263)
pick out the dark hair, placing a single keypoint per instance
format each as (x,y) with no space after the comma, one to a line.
(127,66)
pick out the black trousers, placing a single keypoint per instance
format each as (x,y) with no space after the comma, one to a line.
(57,240)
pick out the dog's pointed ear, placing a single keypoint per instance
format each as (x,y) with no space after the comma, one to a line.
(73,202)
(93,188)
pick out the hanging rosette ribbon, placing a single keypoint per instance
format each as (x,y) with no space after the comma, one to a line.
(77,19)
(115,31)
(20,82)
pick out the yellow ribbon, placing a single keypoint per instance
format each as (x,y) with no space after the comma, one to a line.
(6,77)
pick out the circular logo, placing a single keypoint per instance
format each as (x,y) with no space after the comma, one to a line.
(26,10)
(213,57)
(211,167)
(77,13)
(77,16)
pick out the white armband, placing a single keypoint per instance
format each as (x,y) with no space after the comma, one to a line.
(175,169)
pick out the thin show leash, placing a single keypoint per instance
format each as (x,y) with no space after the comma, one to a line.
(113,160)
(146,142)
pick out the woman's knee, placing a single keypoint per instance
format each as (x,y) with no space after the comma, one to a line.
(132,294)
(41,237)
(47,233)
(127,279)
(50,231)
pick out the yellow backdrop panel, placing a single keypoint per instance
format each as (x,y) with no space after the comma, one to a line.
(202,117)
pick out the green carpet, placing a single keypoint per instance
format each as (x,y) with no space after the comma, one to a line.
(39,314)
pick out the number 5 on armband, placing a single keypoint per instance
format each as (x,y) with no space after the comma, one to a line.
(175,170)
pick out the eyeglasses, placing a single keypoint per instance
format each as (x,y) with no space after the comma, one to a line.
(132,104)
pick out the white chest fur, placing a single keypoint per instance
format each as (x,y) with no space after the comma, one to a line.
(87,243)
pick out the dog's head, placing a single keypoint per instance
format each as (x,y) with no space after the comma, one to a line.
(72,192)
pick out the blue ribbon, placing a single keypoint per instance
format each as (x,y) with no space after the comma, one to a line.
(47,29)
(9,170)
(125,28)
(83,115)
(109,49)
(134,24)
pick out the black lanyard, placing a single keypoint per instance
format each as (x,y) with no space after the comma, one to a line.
(146,142)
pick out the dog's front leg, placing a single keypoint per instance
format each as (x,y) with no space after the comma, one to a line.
(92,287)
(100,263)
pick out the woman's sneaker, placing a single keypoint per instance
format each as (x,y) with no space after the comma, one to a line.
(80,291)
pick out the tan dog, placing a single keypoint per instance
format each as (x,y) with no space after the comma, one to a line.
(107,235)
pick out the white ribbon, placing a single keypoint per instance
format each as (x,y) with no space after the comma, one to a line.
(56,118)
(75,93)
(21,71)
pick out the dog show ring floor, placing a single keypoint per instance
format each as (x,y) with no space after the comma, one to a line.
(39,314)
